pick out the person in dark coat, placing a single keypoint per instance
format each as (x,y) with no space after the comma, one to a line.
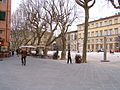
(17,52)
(23,56)
(69,57)
(12,52)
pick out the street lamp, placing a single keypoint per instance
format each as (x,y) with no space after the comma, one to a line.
(105,53)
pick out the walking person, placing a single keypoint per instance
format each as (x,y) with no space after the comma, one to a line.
(12,52)
(17,52)
(69,57)
(1,57)
(23,56)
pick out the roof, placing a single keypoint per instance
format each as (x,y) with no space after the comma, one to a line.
(117,15)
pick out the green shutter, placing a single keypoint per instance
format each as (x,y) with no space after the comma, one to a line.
(2,16)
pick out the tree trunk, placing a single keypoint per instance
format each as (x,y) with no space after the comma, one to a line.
(45,51)
(85,36)
(63,54)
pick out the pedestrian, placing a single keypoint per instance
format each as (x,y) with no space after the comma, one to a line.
(23,56)
(12,52)
(1,57)
(69,57)
(17,52)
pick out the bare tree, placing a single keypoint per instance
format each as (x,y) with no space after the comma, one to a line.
(19,36)
(43,16)
(59,17)
(67,16)
(51,19)
(86,6)
(33,10)
(115,3)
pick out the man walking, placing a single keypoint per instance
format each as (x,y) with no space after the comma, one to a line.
(69,57)
(23,56)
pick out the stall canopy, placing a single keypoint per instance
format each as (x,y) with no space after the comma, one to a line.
(27,47)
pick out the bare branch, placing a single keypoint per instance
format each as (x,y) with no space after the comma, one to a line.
(80,2)
(92,4)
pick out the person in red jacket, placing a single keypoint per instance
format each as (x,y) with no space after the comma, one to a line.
(23,56)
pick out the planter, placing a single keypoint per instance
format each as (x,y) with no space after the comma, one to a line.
(55,55)
(78,58)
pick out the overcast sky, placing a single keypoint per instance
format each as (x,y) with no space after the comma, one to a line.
(100,10)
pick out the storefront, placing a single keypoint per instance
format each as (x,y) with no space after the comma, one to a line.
(4,50)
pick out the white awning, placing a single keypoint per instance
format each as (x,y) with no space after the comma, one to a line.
(27,47)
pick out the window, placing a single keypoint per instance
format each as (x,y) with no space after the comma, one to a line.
(111,46)
(89,26)
(71,37)
(92,40)
(93,25)
(92,34)
(110,32)
(115,21)
(93,46)
(106,46)
(1,32)
(88,41)
(116,30)
(80,28)
(101,46)
(88,46)
(101,40)
(110,39)
(105,23)
(4,1)
(97,46)
(110,22)
(106,32)
(96,40)
(100,24)
(80,35)
(75,36)
(2,15)
(96,33)
(68,37)
(88,34)
(96,24)
(101,32)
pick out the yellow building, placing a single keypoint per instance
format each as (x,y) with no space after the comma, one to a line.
(108,27)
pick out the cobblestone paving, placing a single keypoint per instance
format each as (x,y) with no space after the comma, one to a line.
(44,74)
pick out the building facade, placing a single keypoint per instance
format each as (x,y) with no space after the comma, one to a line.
(5,14)
(108,27)
(72,40)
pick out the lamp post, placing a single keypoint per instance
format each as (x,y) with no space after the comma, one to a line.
(105,53)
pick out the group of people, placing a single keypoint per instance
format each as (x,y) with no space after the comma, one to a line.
(24,54)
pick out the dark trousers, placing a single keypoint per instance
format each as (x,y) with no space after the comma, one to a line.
(23,59)
(69,60)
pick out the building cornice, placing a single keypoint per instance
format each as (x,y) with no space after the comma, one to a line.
(118,15)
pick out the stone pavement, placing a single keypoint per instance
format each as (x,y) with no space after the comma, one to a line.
(45,74)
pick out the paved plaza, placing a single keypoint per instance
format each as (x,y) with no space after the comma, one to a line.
(48,74)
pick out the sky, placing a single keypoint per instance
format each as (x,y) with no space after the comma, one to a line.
(101,9)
